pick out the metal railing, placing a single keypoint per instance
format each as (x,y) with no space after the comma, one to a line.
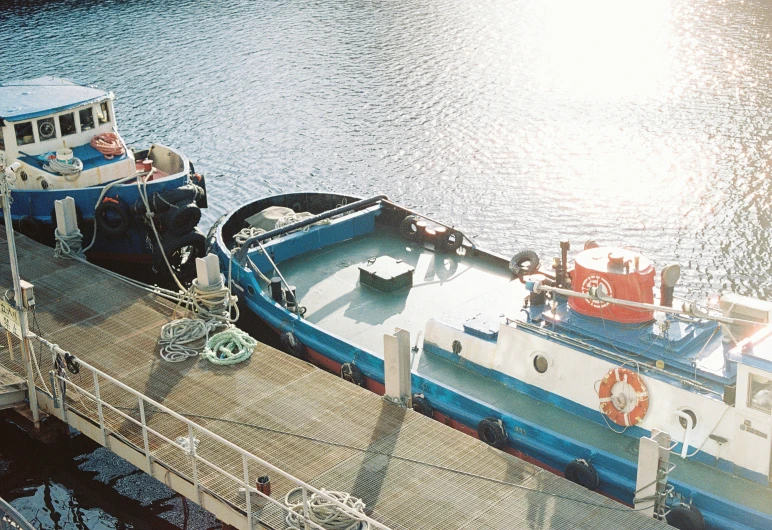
(10,519)
(188,445)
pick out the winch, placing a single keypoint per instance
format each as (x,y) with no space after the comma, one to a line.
(619,273)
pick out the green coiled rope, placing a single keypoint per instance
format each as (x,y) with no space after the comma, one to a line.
(230,346)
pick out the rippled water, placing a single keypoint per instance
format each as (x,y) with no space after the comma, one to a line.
(645,124)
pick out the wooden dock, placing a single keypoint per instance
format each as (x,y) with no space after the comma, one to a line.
(412,472)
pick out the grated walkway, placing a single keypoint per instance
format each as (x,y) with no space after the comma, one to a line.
(412,472)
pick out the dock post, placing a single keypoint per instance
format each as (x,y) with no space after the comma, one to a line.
(208,270)
(6,179)
(66,216)
(653,468)
(396,362)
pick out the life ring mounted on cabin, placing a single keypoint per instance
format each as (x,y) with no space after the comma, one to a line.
(618,406)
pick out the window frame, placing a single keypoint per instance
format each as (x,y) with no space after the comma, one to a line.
(751,392)
(74,124)
(16,132)
(90,108)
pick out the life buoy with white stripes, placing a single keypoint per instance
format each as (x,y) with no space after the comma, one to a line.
(617,407)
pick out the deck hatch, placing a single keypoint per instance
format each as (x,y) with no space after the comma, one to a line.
(386,274)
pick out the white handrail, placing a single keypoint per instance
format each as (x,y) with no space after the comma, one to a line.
(194,427)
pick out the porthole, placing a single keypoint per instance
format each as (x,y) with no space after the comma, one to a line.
(456,347)
(689,413)
(251,290)
(540,363)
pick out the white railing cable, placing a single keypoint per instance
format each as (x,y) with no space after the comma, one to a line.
(202,431)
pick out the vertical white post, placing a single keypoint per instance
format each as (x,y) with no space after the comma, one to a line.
(66,216)
(208,270)
(247,491)
(144,435)
(653,458)
(396,361)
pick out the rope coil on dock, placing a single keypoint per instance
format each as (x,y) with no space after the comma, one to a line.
(230,346)
(325,513)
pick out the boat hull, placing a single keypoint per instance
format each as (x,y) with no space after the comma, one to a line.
(534,441)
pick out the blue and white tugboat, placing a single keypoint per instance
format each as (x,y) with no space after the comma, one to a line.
(61,140)
(579,367)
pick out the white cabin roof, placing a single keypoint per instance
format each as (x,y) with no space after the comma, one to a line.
(23,100)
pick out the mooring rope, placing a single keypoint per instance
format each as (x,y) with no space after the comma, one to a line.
(230,346)
(325,513)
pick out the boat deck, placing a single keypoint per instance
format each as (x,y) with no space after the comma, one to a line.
(412,472)
(443,285)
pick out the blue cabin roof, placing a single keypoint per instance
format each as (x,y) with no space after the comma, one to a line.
(23,100)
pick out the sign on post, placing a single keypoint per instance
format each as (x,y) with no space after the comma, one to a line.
(9,318)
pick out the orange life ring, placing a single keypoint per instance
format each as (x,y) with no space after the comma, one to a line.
(612,409)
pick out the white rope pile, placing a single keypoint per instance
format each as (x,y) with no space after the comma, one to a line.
(69,170)
(244,234)
(177,335)
(68,246)
(230,346)
(325,513)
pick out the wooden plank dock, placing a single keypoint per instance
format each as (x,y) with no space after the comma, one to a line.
(412,472)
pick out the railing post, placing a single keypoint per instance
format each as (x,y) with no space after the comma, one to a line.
(247,492)
(144,435)
(99,409)
(305,507)
(193,462)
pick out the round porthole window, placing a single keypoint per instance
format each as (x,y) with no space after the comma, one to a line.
(689,413)
(540,363)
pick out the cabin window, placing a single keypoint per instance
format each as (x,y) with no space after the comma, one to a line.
(67,124)
(104,113)
(2,140)
(86,119)
(46,129)
(23,132)
(760,393)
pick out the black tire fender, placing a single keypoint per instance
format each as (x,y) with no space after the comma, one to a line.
(185,270)
(422,406)
(685,517)
(291,345)
(408,227)
(32,227)
(524,262)
(451,241)
(491,431)
(181,218)
(112,217)
(350,372)
(582,472)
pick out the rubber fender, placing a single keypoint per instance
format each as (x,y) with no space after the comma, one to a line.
(292,345)
(181,252)
(491,431)
(161,202)
(685,517)
(112,217)
(408,227)
(524,262)
(351,373)
(582,472)
(422,406)
(451,241)
(181,218)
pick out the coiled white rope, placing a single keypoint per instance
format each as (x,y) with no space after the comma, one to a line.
(178,334)
(68,246)
(324,513)
(245,233)
(69,170)
(230,346)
